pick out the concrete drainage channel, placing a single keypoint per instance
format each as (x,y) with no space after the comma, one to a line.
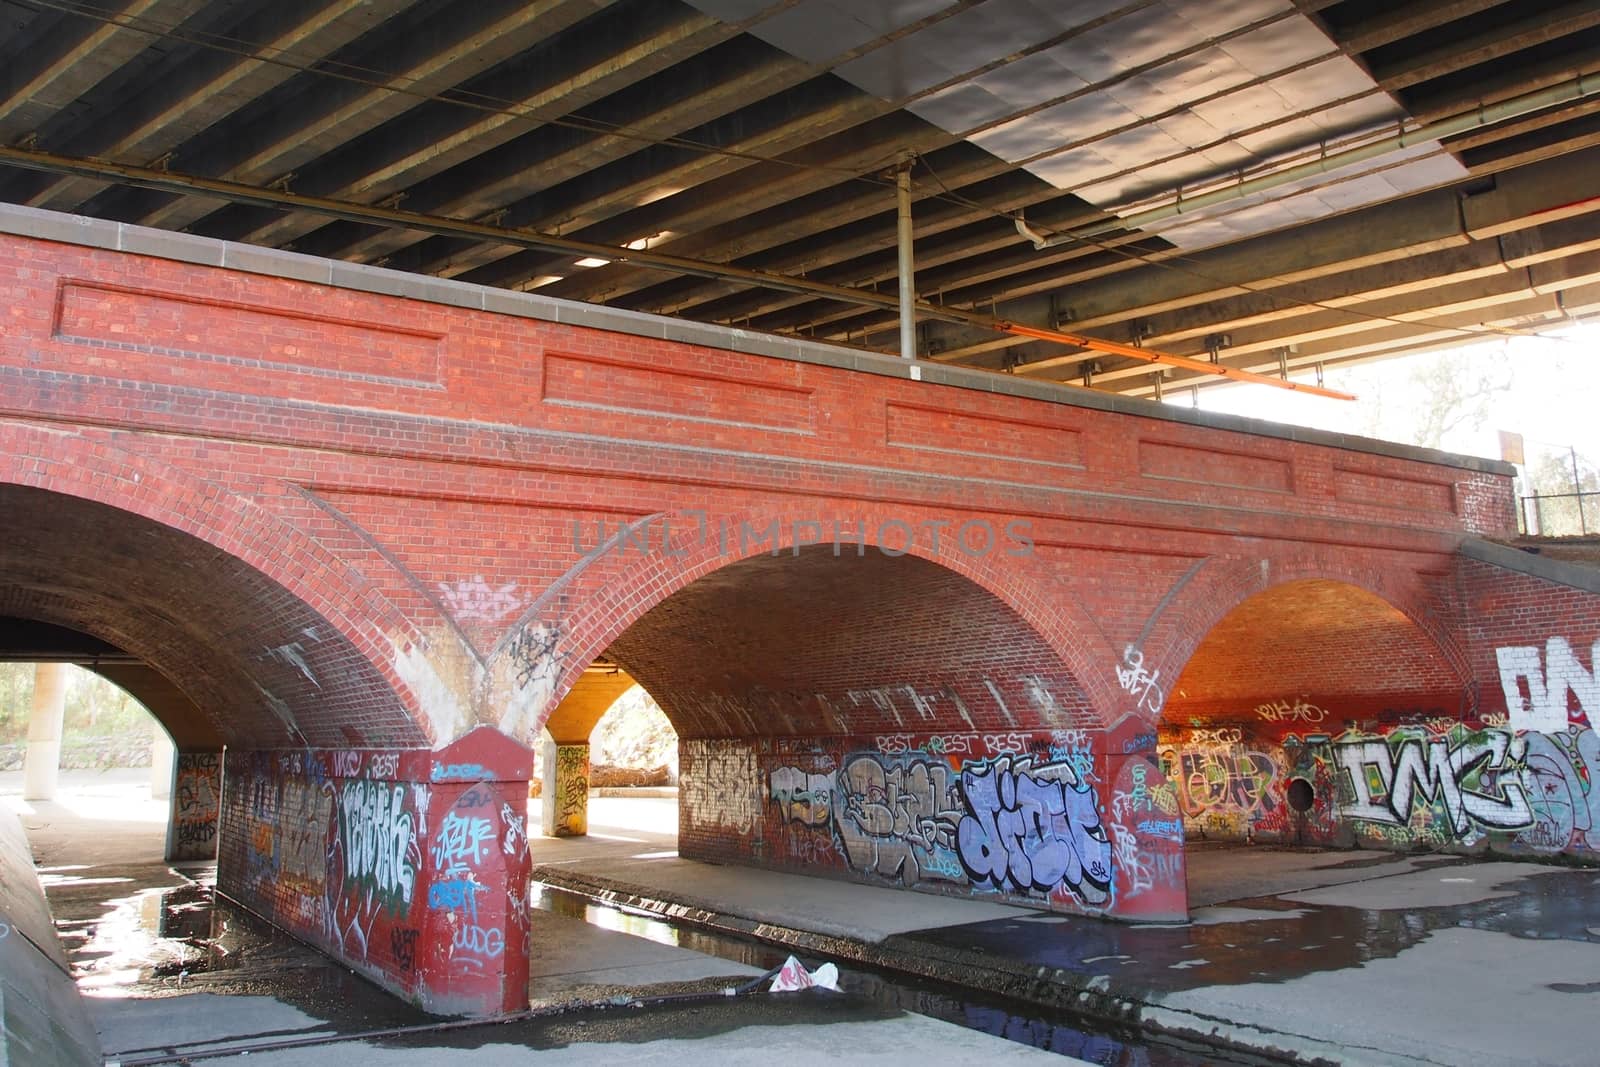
(1031,1010)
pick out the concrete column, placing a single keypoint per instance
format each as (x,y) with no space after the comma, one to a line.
(162,754)
(566,790)
(43,757)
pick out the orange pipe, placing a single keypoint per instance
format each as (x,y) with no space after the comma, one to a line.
(1094,344)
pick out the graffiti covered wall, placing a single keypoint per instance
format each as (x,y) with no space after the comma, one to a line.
(196,805)
(1517,778)
(1020,815)
(410,866)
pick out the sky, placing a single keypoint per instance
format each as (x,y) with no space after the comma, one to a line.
(1551,396)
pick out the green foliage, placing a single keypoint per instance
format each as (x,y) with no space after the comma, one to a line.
(94,706)
(16,700)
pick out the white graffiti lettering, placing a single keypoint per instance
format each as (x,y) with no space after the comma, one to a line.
(1551,686)
(378,837)
(1140,683)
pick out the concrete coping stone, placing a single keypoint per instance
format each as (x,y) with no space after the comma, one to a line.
(46,225)
(1562,572)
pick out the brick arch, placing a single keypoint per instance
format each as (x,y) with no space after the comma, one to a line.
(1222,584)
(296,646)
(616,589)
(1373,614)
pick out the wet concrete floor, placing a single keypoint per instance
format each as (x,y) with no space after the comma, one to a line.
(1350,957)
(173,974)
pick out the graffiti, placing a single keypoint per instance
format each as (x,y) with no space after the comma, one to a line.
(461,840)
(403,946)
(478,943)
(1469,778)
(1144,742)
(478,601)
(937,744)
(721,786)
(517,907)
(304,814)
(1139,683)
(197,803)
(1141,796)
(571,797)
(456,890)
(516,838)
(1283,711)
(1033,829)
(260,857)
(533,654)
(458,772)
(345,764)
(378,837)
(1073,747)
(1552,686)
(1008,744)
(479,796)
(812,850)
(899,820)
(804,797)
(1228,779)
(1136,872)
(1560,779)
(1228,735)
(1166,829)
(383,764)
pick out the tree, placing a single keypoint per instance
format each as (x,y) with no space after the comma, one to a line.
(16,701)
(1553,479)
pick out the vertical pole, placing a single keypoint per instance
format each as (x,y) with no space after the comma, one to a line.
(1577,489)
(908,296)
(43,756)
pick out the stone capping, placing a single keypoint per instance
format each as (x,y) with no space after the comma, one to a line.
(208,251)
(1574,575)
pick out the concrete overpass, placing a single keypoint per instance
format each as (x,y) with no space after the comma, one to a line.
(915,624)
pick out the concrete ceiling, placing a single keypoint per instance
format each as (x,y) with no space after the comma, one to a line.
(1224,179)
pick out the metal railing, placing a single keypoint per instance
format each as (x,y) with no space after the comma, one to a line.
(1560,514)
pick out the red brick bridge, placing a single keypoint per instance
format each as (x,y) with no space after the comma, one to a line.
(370,537)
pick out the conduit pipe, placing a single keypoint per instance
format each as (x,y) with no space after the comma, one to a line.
(1570,91)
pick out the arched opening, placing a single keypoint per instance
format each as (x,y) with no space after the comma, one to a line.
(277,669)
(877,717)
(222,656)
(79,746)
(1316,714)
(259,667)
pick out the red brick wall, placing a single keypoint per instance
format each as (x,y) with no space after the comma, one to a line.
(414,494)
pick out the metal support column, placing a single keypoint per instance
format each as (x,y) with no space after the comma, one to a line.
(908,295)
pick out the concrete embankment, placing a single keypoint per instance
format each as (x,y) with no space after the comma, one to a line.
(42,1018)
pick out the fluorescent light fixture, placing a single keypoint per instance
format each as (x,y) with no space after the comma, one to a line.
(591,261)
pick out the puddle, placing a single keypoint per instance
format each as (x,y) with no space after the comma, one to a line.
(1028,1025)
